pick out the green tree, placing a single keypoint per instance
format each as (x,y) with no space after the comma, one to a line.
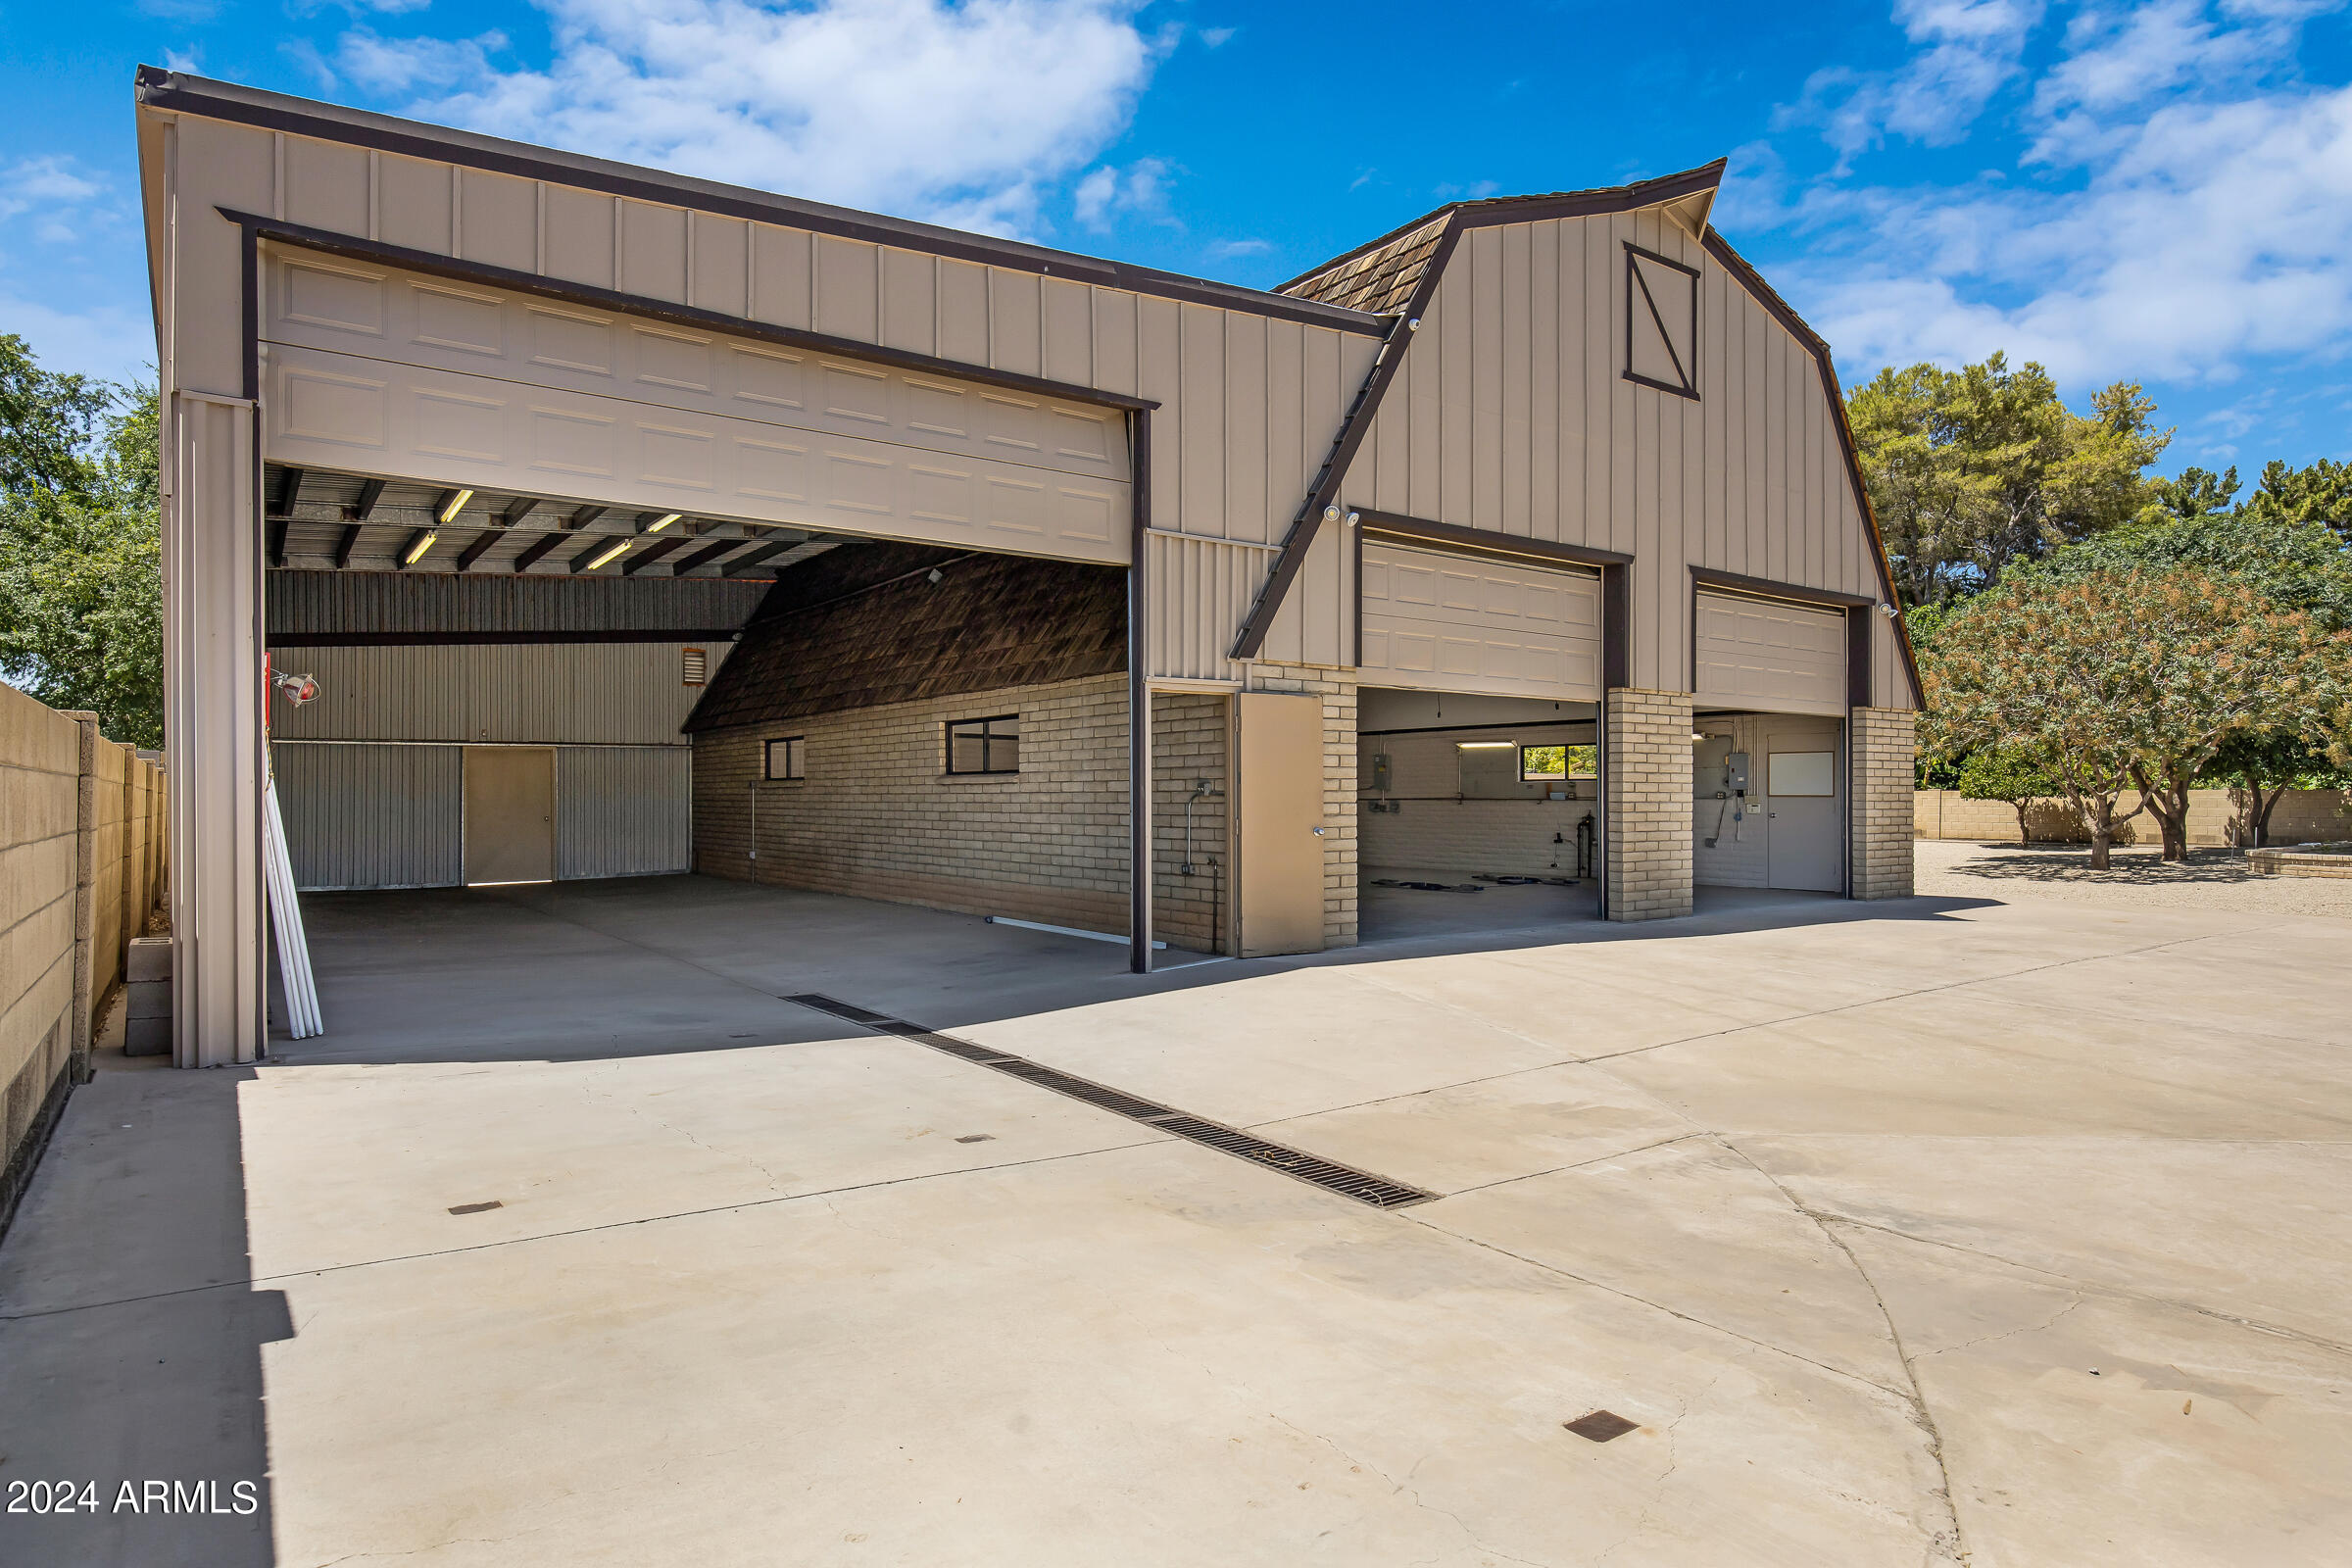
(2130,679)
(2290,565)
(2196,493)
(1971,469)
(2011,776)
(81,557)
(2321,493)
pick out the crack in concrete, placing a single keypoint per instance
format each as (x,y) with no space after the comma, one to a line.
(1917,1399)
(2099,1288)
(588,1090)
(2008,1334)
(1657,1306)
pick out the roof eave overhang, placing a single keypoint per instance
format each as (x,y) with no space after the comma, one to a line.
(169,92)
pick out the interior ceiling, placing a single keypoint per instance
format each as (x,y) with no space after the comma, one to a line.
(351,522)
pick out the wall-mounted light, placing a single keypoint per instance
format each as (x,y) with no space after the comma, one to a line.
(665,521)
(609,555)
(1886,609)
(452,507)
(417,551)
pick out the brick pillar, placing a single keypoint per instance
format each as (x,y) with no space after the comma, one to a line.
(1648,788)
(1336,688)
(1884,741)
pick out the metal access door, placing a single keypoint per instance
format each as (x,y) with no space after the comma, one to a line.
(509,815)
(1278,821)
(1804,795)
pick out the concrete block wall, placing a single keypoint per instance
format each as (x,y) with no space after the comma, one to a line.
(1884,743)
(1340,866)
(879,817)
(1646,752)
(1190,739)
(80,860)
(1434,828)
(2301,816)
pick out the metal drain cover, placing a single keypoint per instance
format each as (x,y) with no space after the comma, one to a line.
(1600,1426)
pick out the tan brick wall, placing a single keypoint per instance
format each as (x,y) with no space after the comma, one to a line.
(1884,741)
(879,817)
(1648,759)
(1337,689)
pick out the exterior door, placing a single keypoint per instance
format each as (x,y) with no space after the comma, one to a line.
(509,815)
(1278,819)
(1804,793)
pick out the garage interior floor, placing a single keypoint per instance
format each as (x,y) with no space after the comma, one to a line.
(1910,1233)
(1401,913)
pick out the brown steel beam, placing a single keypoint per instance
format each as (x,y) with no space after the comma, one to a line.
(370,492)
(481,543)
(516,510)
(532,551)
(702,556)
(637,560)
(344,547)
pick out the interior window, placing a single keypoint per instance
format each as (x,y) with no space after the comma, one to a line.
(985,745)
(1794,773)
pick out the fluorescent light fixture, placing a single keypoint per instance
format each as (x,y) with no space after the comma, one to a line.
(1484,745)
(457,504)
(666,520)
(1697,737)
(609,555)
(417,551)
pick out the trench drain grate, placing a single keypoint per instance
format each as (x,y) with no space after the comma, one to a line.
(1330,1175)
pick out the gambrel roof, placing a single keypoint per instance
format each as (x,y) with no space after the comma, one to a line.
(1380,277)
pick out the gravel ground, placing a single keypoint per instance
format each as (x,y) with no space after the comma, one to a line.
(2138,878)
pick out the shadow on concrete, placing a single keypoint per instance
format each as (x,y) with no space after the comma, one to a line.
(589,970)
(2071,862)
(130,1335)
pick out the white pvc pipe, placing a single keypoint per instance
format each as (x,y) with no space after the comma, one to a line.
(1060,930)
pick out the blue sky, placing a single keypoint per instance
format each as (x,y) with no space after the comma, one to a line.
(2157,192)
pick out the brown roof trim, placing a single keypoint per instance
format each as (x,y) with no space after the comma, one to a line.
(1301,537)
(1781,311)
(1481,541)
(1536,209)
(1767,588)
(535,283)
(182,93)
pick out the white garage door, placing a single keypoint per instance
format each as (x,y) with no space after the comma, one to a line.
(1770,656)
(379,371)
(1460,623)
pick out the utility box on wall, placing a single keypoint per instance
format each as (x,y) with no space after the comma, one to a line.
(1278,821)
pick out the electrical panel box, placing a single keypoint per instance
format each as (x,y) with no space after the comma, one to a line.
(1735,772)
(1380,770)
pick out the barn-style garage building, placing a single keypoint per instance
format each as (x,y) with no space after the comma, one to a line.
(635,523)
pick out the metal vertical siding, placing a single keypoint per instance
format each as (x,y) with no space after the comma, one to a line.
(528,693)
(1511,415)
(623,810)
(373,817)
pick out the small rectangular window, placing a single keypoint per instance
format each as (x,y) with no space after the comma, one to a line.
(696,666)
(787,757)
(1545,764)
(985,745)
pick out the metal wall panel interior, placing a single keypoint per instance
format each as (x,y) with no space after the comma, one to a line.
(1772,657)
(549,693)
(355,602)
(1453,623)
(373,817)
(623,810)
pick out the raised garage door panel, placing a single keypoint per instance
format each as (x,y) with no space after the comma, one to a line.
(1461,624)
(1769,655)
(385,373)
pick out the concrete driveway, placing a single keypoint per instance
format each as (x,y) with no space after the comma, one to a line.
(1959,1230)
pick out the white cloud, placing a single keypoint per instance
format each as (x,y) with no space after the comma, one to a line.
(2174,243)
(104,341)
(1967,51)
(1141,189)
(956,112)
